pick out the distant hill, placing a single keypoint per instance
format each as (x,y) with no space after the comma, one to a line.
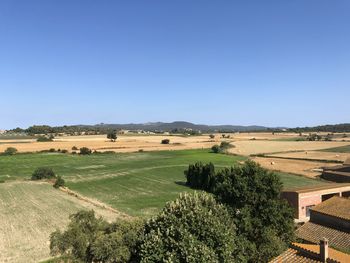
(182,125)
(175,127)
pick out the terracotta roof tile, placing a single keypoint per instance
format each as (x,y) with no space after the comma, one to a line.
(314,232)
(305,253)
(335,206)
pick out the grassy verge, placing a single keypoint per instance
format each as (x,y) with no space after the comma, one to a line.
(341,149)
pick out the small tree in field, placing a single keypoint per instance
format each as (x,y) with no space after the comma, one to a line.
(59,182)
(211,136)
(112,136)
(10,151)
(43,173)
(85,151)
(165,141)
(215,148)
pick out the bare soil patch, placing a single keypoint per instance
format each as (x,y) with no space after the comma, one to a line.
(307,168)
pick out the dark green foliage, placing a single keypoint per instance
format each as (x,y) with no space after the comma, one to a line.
(215,148)
(200,176)
(52,150)
(45,139)
(211,136)
(59,182)
(222,148)
(253,195)
(74,148)
(91,239)
(10,151)
(43,173)
(85,151)
(193,228)
(64,151)
(112,136)
(165,141)
(314,137)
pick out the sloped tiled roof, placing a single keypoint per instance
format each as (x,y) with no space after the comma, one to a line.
(304,253)
(335,206)
(314,232)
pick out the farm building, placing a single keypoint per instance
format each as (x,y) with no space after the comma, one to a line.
(330,219)
(303,199)
(339,173)
(306,253)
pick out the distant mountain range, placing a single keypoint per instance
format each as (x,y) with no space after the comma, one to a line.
(176,126)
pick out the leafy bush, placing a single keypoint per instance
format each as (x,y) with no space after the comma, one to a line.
(52,150)
(211,136)
(74,148)
(59,182)
(193,228)
(85,151)
(64,151)
(165,141)
(200,176)
(91,239)
(215,148)
(44,139)
(10,151)
(43,173)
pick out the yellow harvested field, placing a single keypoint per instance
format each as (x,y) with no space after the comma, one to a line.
(305,168)
(29,213)
(264,146)
(316,155)
(124,143)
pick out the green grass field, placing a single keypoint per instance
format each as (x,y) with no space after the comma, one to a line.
(341,149)
(135,183)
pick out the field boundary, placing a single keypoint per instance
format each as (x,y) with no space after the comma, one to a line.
(298,159)
(95,202)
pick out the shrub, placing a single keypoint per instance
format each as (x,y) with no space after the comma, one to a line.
(74,152)
(59,182)
(52,150)
(141,150)
(91,239)
(165,141)
(225,145)
(215,148)
(64,151)
(193,228)
(43,173)
(44,139)
(10,151)
(211,136)
(74,148)
(85,151)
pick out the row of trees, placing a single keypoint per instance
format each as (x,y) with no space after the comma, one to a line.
(238,218)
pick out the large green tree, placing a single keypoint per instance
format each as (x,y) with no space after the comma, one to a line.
(193,228)
(253,195)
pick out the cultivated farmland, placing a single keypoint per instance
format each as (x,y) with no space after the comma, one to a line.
(29,212)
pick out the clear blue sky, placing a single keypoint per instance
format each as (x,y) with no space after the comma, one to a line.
(274,63)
